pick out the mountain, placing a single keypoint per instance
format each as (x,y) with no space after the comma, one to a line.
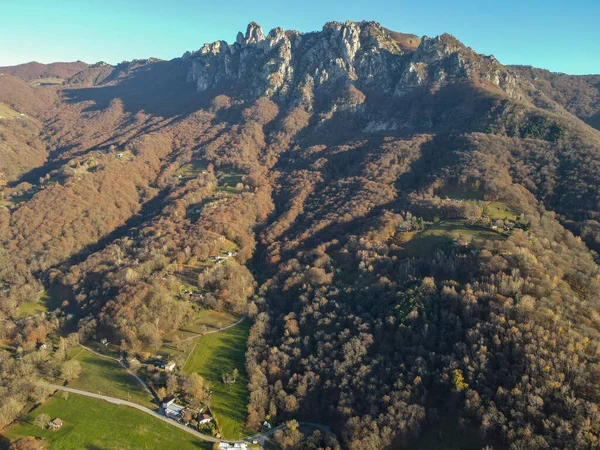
(412,227)
(33,71)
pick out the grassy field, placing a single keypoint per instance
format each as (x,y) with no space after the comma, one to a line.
(49,80)
(101,375)
(7,112)
(443,233)
(49,300)
(228,182)
(192,169)
(501,210)
(189,274)
(494,210)
(31,309)
(45,303)
(213,355)
(459,193)
(208,318)
(96,424)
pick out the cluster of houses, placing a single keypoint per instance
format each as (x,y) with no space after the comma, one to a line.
(157,361)
(175,411)
(197,292)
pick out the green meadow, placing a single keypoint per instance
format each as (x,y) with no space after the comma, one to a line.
(211,357)
(95,424)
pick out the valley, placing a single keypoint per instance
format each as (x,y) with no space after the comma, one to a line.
(352,238)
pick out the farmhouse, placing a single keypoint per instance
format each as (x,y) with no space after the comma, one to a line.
(56,424)
(203,418)
(168,366)
(172,409)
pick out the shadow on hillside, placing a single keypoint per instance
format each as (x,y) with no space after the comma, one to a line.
(157,88)
(148,210)
(4,443)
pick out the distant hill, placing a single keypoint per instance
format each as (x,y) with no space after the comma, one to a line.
(34,71)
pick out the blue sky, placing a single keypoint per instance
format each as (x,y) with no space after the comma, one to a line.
(558,35)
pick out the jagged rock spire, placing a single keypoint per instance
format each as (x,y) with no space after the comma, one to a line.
(239,38)
(254,33)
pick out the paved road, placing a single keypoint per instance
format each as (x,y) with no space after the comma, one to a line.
(260,437)
(118,401)
(124,366)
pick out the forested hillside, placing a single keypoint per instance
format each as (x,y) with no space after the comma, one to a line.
(411,226)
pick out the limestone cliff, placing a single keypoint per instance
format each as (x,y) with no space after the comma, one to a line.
(293,66)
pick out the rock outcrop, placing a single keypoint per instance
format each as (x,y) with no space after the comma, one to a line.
(292,66)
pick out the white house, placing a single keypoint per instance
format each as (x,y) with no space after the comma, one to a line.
(56,424)
(172,409)
(203,418)
(168,366)
(236,446)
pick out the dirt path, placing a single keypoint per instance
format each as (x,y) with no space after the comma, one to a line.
(191,338)
(124,366)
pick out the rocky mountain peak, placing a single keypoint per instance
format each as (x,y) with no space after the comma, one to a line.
(293,65)
(254,34)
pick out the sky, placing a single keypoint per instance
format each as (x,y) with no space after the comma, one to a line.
(559,35)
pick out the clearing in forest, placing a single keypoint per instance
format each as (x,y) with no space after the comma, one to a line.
(192,169)
(492,209)
(501,210)
(47,301)
(228,182)
(6,112)
(202,321)
(446,232)
(178,344)
(212,356)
